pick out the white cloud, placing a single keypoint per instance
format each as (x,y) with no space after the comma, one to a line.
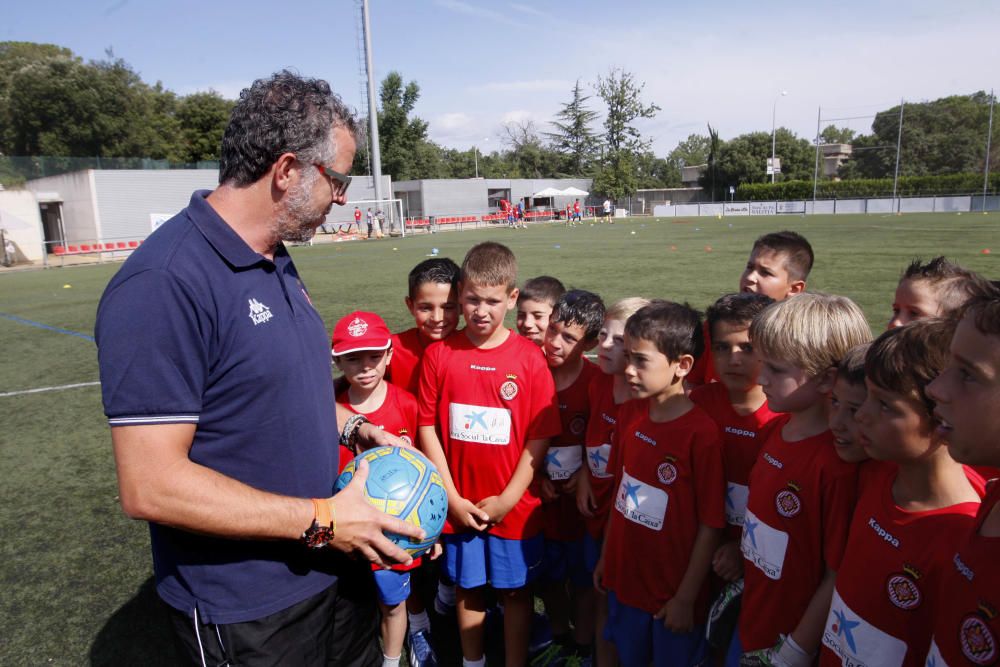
(472,10)
(517,116)
(527,9)
(452,122)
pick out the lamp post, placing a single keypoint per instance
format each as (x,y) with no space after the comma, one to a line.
(774,111)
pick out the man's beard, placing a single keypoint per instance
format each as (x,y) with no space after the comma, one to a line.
(298,219)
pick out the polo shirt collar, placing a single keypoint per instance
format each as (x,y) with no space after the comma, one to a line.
(222,237)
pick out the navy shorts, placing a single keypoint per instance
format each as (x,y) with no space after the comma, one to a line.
(591,553)
(565,560)
(393,586)
(641,639)
(477,559)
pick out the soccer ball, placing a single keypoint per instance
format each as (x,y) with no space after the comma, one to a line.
(403,483)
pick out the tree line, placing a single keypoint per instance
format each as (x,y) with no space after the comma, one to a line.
(52,103)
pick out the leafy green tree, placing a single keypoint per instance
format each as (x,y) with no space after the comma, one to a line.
(945,136)
(622,95)
(691,152)
(399,134)
(529,157)
(743,159)
(832,134)
(573,138)
(202,118)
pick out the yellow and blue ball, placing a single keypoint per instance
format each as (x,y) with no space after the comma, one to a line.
(404,484)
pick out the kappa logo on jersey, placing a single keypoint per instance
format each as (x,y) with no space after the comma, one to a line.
(357,327)
(978,642)
(641,503)
(597,460)
(482,425)
(666,472)
(787,502)
(764,546)
(856,641)
(902,588)
(562,462)
(259,313)
(508,390)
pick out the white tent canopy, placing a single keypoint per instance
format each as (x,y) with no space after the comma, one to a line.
(574,192)
(548,192)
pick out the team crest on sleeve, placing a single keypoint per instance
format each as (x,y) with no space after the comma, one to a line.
(978,642)
(404,435)
(787,502)
(902,588)
(666,472)
(508,390)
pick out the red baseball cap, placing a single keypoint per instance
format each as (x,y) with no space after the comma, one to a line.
(360,331)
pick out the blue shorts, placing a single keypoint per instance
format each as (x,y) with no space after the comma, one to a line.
(735,650)
(565,560)
(393,586)
(477,559)
(640,638)
(591,553)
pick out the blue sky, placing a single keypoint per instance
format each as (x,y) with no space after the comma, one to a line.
(480,64)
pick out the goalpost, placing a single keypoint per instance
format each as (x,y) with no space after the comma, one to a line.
(341,218)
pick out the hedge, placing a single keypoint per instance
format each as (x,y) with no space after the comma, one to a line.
(908,186)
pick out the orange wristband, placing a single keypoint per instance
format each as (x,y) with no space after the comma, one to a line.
(322,512)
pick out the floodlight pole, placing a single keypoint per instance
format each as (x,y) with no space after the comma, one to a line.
(819,118)
(372,107)
(774,112)
(899,143)
(989,136)
(476,149)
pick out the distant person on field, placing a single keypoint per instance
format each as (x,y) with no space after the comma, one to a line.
(223,436)
(370,221)
(607,212)
(357,220)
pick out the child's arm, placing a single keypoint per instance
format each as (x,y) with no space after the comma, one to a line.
(585,501)
(728,561)
(532,456)
(464,511)
(806,635)
(678,613)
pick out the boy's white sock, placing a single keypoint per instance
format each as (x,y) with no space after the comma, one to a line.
(419,622)
(474,663)
(392,662)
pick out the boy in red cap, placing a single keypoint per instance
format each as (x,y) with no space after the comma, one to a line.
(362,348)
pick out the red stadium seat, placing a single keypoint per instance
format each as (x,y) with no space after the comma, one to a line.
(59,250)
(121,245)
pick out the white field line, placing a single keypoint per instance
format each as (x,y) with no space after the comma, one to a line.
(43,389)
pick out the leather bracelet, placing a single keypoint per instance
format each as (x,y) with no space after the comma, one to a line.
(349,434)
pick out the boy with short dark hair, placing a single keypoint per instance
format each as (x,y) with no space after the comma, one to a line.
(595,489)
(967,397)
(738,405)
(576,320)
(801,493)
(938,288)
(908,514)
(778,267)
(534,306)
(846,397)
(487,409)
(668,511)
(432,299)
(362,350)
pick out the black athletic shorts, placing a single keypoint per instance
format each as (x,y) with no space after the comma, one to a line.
(338,627)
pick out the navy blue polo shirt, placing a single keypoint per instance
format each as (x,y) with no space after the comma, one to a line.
(198,328)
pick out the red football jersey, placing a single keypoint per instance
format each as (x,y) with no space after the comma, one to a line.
(357,215)
(565,456)
(599,442)
(404,369)
(967,606)
(742,437)
(486,405)
(668,480)
(801,499)
(397,415)
(882,613)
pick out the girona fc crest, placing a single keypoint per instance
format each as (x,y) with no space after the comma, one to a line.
(508,390)
(903,591)
(666,472)
(357,327)
(977,641)
(787,503)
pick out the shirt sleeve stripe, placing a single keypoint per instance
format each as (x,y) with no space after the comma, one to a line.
(165,419)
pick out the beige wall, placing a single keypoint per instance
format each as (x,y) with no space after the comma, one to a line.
(22,223)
